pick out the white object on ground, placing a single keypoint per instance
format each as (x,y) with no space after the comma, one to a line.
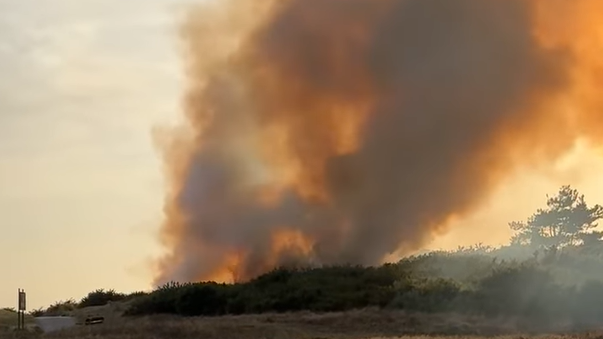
(50,324)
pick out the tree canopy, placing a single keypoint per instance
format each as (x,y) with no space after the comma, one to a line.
(567,220)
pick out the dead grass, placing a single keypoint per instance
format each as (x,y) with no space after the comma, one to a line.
(364,324)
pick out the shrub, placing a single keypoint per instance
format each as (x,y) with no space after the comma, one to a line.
(161,301)
(526,291)
(334,288)
(101,297)
(429,295)
(135,295)
(61,308)
(537,290)
(587,304)
(201,299)
(39,312)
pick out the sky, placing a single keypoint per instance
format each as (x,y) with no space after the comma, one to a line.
(82,85)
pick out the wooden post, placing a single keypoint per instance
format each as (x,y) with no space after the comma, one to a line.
(21,307)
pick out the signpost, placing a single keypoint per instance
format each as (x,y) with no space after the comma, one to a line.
(22,306)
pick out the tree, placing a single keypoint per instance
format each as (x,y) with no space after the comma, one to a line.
(567,220)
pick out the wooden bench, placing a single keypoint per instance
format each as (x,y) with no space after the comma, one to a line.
(94,320)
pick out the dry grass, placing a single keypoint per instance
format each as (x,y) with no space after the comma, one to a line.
(9,319)
(349,325)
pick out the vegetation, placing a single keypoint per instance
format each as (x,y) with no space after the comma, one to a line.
(551,273)
(528,290)
(8,318)
(567,220)
(541,270)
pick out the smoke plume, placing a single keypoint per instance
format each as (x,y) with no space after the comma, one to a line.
(341,131)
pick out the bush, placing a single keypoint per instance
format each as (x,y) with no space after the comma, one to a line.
(334,288)
(39,312)
(201,299)
(587,304)
(135,295)
(429,295)
(527,292)
(61,308)
(492,282)
(161,301)
(101,297)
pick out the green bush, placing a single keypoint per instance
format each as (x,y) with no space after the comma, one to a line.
(526,291)
(38,312)
(161,301)
(135,295)
(587,303)
(427,295)
(61,308)
(201,299)
(101,297)
(513,281)
(325,289)
(437,282)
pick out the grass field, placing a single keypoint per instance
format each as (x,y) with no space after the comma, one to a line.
(346,325)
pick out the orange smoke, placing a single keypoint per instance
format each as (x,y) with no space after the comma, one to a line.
(364,126)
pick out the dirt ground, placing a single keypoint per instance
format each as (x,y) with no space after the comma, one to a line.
(363,324)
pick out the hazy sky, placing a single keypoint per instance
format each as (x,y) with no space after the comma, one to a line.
(82,82)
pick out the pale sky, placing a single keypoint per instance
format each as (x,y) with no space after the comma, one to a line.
(82,83)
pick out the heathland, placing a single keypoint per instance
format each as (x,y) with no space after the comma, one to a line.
(549,279)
